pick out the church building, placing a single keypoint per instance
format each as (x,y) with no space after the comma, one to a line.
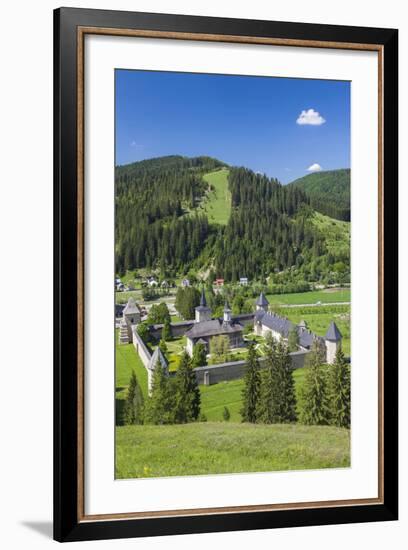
(205,328)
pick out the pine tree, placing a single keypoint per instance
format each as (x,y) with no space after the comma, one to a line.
(293,339)
(226,414)
(160,406)
(134,404)
(339,391)
(314,397)
(187,399)
(199,356)
(287,385)
(268,403)
(252,386)
(166,331)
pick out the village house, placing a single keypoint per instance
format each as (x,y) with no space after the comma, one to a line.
(205,328)
(151,282)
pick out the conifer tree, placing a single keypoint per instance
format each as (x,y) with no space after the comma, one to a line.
(160,406)
(293,339)
(268,403)
(339,391)
(187,399)
(287,412)
(252,387)
(134,404)
(314,397)
(226,414)
(166,331)
(199,356)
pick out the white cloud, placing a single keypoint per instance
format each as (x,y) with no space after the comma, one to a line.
(314,168)
(310,117)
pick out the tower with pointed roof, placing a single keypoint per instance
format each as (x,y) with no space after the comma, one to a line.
(262,303)
(332,340)
(157,361)
(131,316)
(202,312)
(227,313)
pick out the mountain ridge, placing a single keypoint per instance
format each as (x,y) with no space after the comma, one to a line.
(329,192)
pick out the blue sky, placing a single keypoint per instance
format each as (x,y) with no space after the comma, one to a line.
(283,127)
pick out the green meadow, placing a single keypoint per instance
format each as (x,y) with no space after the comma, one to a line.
(326,296)
(227,447)
(336,233)
(217,204)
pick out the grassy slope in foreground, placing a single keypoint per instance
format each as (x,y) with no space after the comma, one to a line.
(217,205)
(209,448)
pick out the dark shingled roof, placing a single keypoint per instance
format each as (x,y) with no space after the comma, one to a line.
(284,326)
(203,301)
(213,327)
(333,334)
(131,307)
(262,301)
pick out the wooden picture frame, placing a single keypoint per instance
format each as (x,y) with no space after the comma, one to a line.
(70,27)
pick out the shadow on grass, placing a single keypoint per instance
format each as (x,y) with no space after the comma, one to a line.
(119,411)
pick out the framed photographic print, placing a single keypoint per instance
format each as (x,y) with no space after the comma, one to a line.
(225,274)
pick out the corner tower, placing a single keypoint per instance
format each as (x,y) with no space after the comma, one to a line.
(333,342)
(202,312)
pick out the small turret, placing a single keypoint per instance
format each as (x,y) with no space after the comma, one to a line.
(262,303)
(157,360)
(227,313)
(332,339)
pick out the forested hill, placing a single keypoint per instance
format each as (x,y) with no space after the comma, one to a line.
(329,192)
(166,220)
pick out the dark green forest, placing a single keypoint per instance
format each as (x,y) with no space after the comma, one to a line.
(159,225)
(329,192)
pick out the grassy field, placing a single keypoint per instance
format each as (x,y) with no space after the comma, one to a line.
(217,205)
(127,360)
(326,296)
(228,447)
(336,233)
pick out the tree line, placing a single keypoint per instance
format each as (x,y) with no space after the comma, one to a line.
(270,230)
(269,395)
(172,400)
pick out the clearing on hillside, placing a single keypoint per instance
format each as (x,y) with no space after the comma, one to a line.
(336,233)
(217,204)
